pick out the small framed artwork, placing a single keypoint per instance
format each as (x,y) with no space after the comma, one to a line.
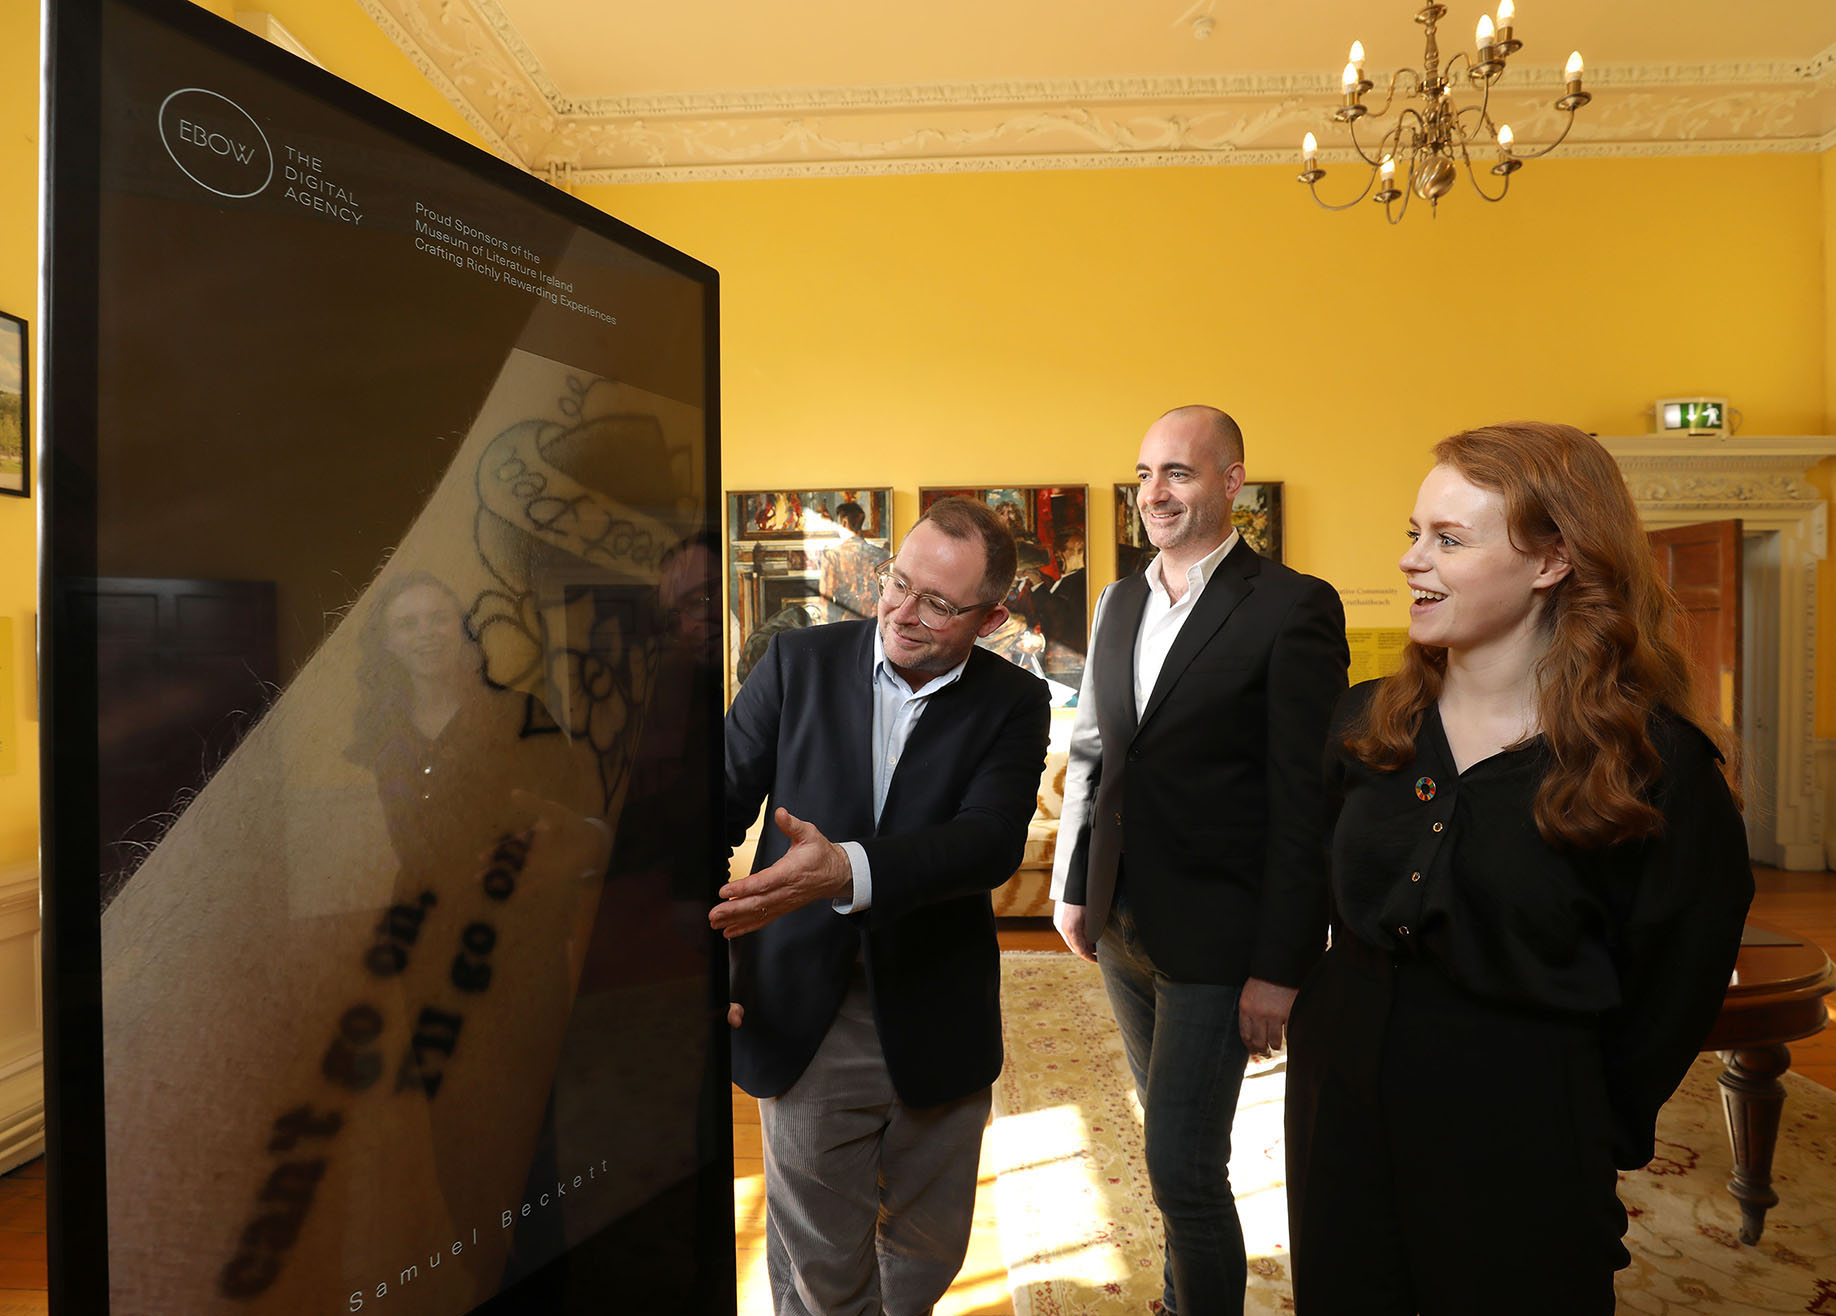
(1256,516)
(1047,630)
(800,557)
(15,411)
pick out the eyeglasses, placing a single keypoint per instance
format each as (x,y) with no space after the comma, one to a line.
(933,613)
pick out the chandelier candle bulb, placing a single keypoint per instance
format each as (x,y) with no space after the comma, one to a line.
(1357,61)
(1311,172)
(1389,171)
(1484,34)
(1352,83)
(1574,73)
(1507,165)
(1505,42)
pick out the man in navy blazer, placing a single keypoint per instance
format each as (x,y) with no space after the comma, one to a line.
(1191,859)
(901,764)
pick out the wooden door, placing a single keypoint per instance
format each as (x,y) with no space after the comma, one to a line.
(1702,564)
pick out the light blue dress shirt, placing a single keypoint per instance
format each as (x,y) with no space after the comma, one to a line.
(896,710)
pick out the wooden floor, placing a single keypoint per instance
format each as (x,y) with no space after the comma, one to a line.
(1800,903)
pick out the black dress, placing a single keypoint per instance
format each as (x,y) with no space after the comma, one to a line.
(1496,1026)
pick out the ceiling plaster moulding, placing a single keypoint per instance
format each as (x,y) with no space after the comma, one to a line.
(1544,81)
(1133,160)
(446,44)
(472,53)
(1244,131)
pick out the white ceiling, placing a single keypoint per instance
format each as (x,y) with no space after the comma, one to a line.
(640,89)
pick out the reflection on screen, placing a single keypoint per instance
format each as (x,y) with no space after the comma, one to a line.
(407,683)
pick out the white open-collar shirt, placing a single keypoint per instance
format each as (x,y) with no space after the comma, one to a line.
(1162,619)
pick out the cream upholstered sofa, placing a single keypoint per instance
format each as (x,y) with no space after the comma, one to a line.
(1028,893)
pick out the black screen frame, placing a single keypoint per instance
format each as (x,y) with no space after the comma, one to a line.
(68,365)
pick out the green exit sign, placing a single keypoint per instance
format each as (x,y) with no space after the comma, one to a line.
(1692,415)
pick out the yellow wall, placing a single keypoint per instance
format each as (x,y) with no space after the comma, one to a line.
(18,295)
(1825,475)
(1828,163)
(1025,327)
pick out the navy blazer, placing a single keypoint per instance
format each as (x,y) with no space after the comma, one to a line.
(1212,799)
(953,828)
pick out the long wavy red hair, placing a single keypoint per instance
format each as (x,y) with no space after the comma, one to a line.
(1612,659)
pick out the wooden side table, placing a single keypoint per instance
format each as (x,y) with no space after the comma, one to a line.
(1776,997)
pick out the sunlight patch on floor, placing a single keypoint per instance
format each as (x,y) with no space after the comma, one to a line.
(749,1224)
(1044,1160)
(1258,1168)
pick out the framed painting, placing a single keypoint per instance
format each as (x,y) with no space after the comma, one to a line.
(15,409)
(1256,516)
(800,557)
(1047,631)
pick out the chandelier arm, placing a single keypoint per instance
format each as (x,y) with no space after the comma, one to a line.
(1389,96)
(1537,155)
(1323,205)
(1472,176)
(1359,148)
(1396,217)
(1447,73)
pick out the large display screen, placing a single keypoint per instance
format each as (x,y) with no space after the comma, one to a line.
(381,674)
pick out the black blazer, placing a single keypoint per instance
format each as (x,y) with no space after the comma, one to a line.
(953,828)
(1212,802)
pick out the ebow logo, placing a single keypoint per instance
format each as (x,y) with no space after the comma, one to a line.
(215,141)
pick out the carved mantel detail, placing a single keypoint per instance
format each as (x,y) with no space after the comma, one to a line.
(1716,486)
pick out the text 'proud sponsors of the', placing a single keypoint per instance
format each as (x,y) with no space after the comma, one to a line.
(467,247)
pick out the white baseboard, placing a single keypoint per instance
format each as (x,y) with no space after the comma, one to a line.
(22,1117)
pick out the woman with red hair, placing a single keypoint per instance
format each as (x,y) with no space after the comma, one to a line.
(1539,878)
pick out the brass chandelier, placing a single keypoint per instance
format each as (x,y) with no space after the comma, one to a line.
(1431,138)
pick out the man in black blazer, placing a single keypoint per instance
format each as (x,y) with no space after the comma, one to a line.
(866,975)
(1191,863)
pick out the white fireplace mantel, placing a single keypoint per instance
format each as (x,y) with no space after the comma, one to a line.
(1765,482)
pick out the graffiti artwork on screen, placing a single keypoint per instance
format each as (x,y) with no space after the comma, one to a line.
(455,968)
(15,415)
(1256,515)
(1047,630)
(801,557)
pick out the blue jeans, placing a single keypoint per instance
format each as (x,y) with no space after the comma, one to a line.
(1188,1060)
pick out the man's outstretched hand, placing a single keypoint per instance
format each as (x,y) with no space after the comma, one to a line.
(814,868)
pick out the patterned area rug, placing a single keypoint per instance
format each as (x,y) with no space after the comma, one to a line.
(1081,1237)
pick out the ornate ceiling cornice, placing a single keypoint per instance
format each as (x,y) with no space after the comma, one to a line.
(473,54)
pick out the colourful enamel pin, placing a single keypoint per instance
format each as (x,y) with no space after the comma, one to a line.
(1424,789)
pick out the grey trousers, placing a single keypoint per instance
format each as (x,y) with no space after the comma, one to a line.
(868,1201)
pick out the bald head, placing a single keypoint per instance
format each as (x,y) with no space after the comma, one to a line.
(1190,469)
(1214,425)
